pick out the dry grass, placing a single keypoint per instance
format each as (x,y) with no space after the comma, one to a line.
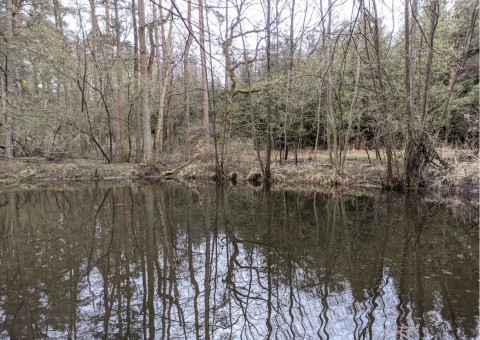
(462,177)
(360,170)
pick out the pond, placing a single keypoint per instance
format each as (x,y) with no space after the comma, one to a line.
(168,261)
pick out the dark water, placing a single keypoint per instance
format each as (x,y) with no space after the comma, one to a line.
(167,261)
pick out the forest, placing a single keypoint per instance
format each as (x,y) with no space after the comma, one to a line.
(163,81)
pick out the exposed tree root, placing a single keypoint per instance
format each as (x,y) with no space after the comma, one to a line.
(419,154)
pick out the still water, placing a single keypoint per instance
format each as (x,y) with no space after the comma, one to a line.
(167,261)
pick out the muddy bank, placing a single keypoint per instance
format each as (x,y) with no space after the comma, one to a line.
(360,172)
(462,178)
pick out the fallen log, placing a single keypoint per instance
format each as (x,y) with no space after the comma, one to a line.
(162,173)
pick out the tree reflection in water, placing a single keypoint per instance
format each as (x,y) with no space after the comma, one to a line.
(169,261)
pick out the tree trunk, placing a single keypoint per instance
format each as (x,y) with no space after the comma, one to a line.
(409,166)
(250,106)
(289,110)
(10,79)
(109,98)
(186,74)
(57,15)
(228,103)
(203,62)
(332,127)
(352,108)
(300,135)
(382,98)
(425,95)
(458,63)
(114,101)
(418,151)
(147,132)
(229,72)
(165,81)
(59,25)
(160,69)
(170,134)
(213,102)
(120,123)
(268,151)
(318,114)
(135,121)
(409,71)
(331,119)
(323,57)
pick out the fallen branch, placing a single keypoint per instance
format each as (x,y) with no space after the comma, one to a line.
(171,172)
(166,173)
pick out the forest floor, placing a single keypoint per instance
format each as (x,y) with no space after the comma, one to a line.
(360,171)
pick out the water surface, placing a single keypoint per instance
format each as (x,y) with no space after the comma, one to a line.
(167,261)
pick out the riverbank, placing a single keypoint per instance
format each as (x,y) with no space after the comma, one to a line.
(361,171)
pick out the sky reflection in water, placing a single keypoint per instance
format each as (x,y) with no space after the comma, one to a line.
(168,261)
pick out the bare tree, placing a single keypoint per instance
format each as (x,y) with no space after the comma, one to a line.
(164,76)
(10,90)
(186,72)
(119,124)
(203,63)
(371,21)
(147,134)
(268,152)
(231,79)
(110,100)
(419,152)
(382,97)
(133,114)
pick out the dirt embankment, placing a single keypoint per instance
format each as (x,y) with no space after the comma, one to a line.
(461,177)
(360,171)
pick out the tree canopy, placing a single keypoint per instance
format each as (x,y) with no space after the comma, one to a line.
(149,80)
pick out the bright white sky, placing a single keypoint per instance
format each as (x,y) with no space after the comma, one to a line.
(307,14)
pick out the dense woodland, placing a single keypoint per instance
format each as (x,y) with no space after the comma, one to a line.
(156,80)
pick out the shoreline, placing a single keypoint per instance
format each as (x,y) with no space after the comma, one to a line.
(358,175)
